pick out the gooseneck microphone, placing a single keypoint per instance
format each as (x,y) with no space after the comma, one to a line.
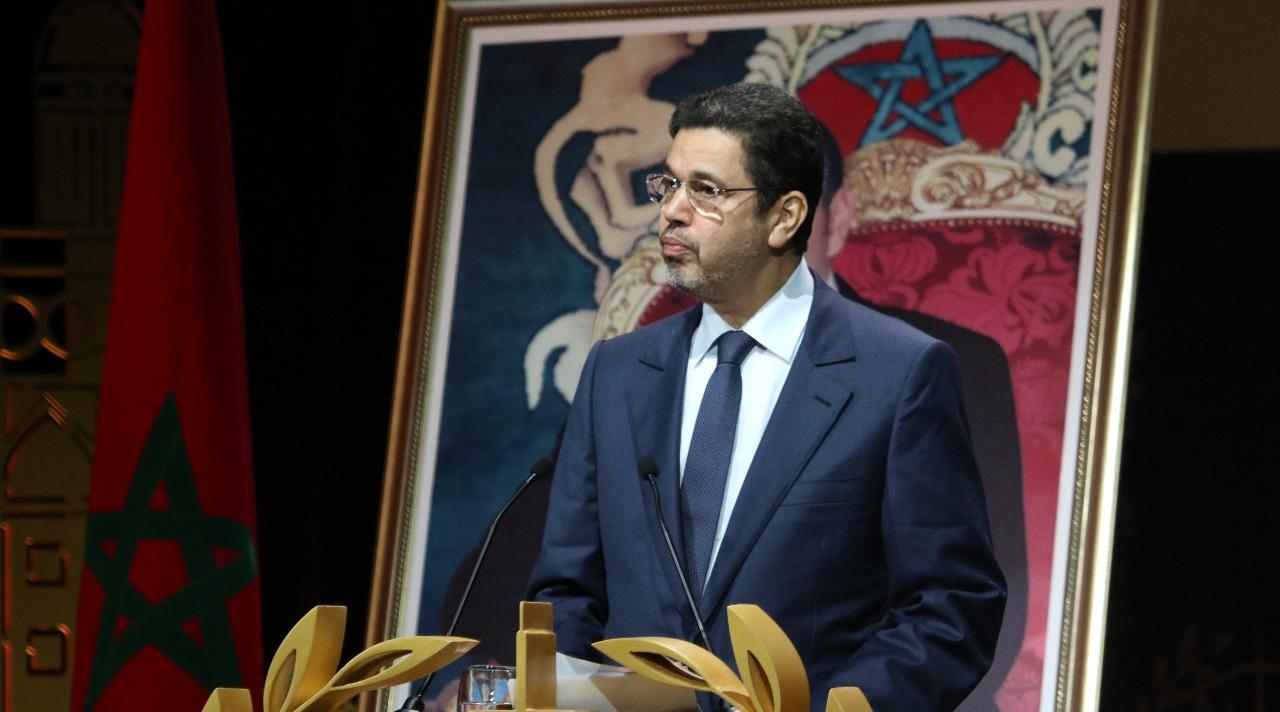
(649,470)
(542,467)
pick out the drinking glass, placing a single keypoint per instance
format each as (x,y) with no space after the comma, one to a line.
(490,687)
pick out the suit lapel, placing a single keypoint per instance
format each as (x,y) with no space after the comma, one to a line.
(655,404)
(808,405)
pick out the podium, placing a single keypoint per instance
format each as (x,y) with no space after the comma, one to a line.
(304,674)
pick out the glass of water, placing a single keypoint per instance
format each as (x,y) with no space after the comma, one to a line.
(487,687)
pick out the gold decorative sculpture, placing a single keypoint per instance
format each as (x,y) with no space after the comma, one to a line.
(679,663)
(302,675)
(535,658)
(767,661)
(773,677)
(847,699)
(228,699)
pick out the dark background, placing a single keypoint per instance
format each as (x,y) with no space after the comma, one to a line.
(326,110)
(326,105)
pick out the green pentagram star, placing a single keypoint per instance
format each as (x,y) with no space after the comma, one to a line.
(213,663)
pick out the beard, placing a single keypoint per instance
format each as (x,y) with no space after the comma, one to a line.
(713,282)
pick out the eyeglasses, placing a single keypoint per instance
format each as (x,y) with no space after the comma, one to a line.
(704,196)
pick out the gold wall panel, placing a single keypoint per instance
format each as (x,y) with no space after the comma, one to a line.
(54,289)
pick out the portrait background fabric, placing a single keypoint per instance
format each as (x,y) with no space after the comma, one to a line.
(964,148)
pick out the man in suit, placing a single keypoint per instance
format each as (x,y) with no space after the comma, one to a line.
(813,454)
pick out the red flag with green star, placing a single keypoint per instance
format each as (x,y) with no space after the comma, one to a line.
(169,603)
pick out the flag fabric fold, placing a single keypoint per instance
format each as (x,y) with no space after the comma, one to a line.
(169,602)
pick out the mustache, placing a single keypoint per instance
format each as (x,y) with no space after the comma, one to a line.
(674,233)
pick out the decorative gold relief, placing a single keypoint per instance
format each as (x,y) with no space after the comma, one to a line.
(47,648)
(46,441)
(47,563)
(45,433)
(773,676)
(301,677)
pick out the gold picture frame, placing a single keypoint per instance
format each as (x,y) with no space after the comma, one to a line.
(457,291)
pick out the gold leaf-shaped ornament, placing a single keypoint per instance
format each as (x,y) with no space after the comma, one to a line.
(847,699)
(679,663)
(306,659)
(769,664)
(391,662)
(228,699)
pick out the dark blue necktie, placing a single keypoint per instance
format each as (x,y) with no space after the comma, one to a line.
(706,467)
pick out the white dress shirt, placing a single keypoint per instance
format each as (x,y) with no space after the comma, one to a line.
(777,328)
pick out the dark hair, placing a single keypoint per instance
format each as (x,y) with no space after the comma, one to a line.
(779,139)
(834,160)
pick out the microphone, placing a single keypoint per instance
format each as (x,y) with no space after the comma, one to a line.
(649,470)
(542,467)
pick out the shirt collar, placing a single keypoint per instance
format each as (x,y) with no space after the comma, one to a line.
(777,325)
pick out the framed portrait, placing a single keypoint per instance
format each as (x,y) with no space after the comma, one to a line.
(985,167)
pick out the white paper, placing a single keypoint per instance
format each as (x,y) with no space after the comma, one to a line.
(584,685)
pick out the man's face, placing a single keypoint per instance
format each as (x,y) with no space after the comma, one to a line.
(712,257)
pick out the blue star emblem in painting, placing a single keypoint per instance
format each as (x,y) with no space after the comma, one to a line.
(945,78)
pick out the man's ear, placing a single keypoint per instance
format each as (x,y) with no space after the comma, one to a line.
(790,211)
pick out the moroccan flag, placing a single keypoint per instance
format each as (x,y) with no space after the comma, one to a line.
(169,604)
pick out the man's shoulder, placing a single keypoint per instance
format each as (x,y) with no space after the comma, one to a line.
(868,327)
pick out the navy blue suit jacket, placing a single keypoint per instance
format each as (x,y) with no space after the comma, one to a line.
(861,527)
